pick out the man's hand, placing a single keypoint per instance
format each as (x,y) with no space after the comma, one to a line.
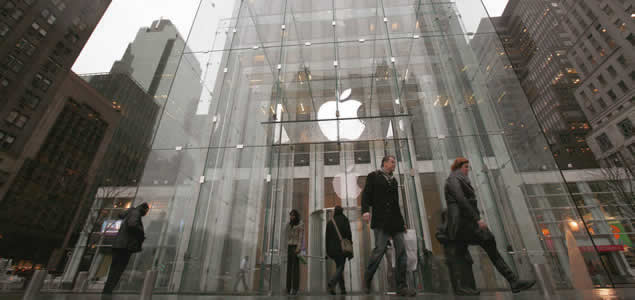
(366,216)
(482,225)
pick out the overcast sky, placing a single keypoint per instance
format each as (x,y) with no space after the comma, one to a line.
(123,19)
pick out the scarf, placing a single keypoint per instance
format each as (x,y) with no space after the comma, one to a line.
(389,177)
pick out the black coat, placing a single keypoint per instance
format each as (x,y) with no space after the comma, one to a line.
(383,197)
(131,234)
(462,214)
(333,244)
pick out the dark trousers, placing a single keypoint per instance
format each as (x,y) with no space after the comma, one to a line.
(338,278)
(460,267)
(293,269)
(381,242)
(485,240)
(120,259)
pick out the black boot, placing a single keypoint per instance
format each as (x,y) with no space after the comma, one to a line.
(521,285)
(512,278)
(331,289)
(459,285)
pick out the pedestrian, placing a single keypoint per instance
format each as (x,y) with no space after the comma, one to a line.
(128,241)
(242,274)
(465,226)
(381,193)
(295,238)
(338,229)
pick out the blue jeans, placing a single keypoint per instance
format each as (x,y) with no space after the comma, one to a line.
(381,242)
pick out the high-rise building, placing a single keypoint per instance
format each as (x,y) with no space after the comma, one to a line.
(537,43)
(39,42)
(601,207)
(138,86)
(130,147)
(603,56)
(49,194)
(302,99)
(154,57)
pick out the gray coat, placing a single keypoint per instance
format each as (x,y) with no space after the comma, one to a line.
(463,213)
(131,234)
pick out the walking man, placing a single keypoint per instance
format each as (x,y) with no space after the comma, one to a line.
(128,241)
(381,193)
(242,274)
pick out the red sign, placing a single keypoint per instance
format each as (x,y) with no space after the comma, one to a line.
(602,248)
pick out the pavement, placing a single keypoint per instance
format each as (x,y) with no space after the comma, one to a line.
(599,294)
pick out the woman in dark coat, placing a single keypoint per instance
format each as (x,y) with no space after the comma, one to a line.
(465,227)
(334,247)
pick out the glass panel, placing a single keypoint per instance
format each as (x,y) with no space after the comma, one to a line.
(292,111)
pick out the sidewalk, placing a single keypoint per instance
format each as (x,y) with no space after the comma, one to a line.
(599,294)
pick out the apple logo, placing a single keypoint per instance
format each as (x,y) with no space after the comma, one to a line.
(350,128)
(345,185)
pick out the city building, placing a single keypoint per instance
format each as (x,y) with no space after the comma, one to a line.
(537,43)
(128,152)
(138,86)
(48,197)
(604,210)
(603,55)
(39,42)
(300,100)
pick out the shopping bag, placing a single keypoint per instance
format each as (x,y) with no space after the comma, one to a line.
(410,239)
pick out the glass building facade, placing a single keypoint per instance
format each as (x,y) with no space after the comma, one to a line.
(300,100)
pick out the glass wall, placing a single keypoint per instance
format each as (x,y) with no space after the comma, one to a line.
(300,101)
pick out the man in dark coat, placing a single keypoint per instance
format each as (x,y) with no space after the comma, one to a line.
(334,247)
(128,241)
(381,193)
(465,227)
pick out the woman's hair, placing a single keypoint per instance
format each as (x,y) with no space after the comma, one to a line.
(338,210)
(459,162)
(296,214)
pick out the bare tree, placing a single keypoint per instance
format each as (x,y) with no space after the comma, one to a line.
(618,177)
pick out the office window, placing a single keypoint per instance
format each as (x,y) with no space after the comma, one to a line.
(8,7)
(29,2)
(17,14)
(25,46)
(41,82)
(13,63)
(612,71)
(626,127)
(4,29)
(604,142)
(6,140)
(4,82)
(17,119)
(30,100)
(602,80)
(622,61)
(622,86)
(612,95)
